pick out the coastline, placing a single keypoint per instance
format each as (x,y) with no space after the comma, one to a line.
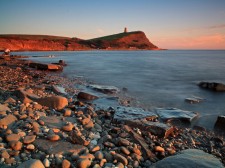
(101,140)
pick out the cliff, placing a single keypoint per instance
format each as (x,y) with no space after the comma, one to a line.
(122,41)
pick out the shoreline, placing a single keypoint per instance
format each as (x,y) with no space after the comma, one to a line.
(92,134)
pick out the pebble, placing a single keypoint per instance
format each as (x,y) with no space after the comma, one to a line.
(66,163)
(159,149)
(95,148)
(29,139)
(53,137)
(13,137)
(30,147)
(124,150)
(15,145)
(83,163)
(46,162)
(67,112)
(99,155)
(120,158)
(68,127)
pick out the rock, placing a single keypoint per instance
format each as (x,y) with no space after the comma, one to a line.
(55,102)
(95,149)
(37,106)
(193,100)
(68,127)
(16,145)
(120,165)
(10,100)
(13,137)
(99,155)
(105,89)
(59,90)
(35,127)
(77,138)
(33,163)
(42,66)
(5,154)
(4,108)
(148,154)
(174,113)
(156,128)
(86,96)
(46,162)
(66,163)
(58,147)
(124,150)
(121,159)
(159,149)
(123,113)
(67,112)
(123,142)
(25,95)
(189,158)
(30,147)
(29,139)
(53,137)
(89,125)
(83,163)
(214,86)
(7,121)
(220,122)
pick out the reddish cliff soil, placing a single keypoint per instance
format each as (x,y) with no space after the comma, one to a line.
(121,41)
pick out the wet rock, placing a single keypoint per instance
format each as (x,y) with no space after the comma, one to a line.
(33,163)
(105,89)
(86,96)
(174,113)
(59,90)
(29,139)
(220,122)
(123,113)
(193,100)
(55,102)
(214,86)
(7,121)
(42,66)
(189,158)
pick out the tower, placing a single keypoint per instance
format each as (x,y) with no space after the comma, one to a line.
(125,30)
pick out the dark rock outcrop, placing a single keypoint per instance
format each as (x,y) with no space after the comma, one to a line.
(214,86)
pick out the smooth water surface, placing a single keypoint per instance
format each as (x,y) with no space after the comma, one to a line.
(154,78)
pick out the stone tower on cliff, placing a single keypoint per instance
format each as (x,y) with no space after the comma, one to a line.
(125,30)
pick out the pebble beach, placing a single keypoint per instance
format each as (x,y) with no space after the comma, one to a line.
(42,126)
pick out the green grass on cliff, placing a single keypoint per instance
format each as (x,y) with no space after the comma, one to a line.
(115,36)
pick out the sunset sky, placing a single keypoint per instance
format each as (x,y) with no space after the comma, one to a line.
(171,24)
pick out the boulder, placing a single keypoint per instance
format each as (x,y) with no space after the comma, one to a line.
(42,66)
(214,86)
(189,158)
(174,113)
(156,128)
(32,163)
(54,102)
(86,96)
(58,147)
(105,89)
(220,122)
(123,113)
(59,90)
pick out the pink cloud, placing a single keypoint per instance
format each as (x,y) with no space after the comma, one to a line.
(215,41)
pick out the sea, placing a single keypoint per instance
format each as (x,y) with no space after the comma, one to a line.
(153,78)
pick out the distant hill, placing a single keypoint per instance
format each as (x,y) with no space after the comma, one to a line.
(136,40)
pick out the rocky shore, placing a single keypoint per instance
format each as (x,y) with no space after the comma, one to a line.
(46,122)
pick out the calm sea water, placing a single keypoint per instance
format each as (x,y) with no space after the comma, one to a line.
(154,78)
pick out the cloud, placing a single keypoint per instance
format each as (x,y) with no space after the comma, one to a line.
(213,41)
(217,26)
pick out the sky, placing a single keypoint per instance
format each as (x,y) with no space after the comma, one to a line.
(169,24)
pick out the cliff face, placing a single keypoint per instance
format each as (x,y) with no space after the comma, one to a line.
(121,41)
